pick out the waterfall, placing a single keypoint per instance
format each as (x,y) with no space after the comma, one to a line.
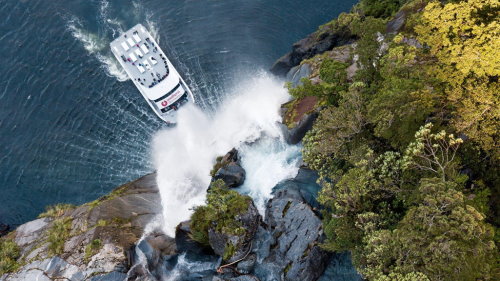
(248,120)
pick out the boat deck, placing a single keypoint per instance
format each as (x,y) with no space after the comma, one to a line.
(144,60)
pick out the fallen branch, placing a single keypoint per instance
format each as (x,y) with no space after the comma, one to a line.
(220,268)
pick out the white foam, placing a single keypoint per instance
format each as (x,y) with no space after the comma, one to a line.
(184,156)
(267,162)
(91,42)
(97,46)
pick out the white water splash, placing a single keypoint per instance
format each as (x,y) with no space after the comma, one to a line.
(267,162)
(97,46)
(184,156)
(184,265)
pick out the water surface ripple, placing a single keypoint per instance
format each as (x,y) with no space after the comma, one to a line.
(71,130)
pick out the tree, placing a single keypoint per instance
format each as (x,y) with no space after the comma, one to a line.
(220,213)
(464,38)
(441,238)
(433,152)
(380,8)
(405,98)
(338,130)
(369,30)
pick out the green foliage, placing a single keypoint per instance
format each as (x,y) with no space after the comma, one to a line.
(464,41)
(338,130)
(218,164)
(58,234)
(441,237)
(367,49)
(220,213)
(56,210)
(454,242)
(404,99)
(229,251)
(396,191)
(92,249)
(412,276)
(9,253)
(433,152)
(380,8)
(341,25)
(334,80)
(334,72)
(307,88)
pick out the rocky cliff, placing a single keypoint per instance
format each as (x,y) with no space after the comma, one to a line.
(94,241)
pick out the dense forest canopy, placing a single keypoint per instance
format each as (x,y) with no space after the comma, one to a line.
(408,147)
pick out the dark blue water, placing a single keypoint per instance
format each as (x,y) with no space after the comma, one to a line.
(70,131)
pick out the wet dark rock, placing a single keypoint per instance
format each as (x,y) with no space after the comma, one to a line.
(237,278)
(185,244)
(316,43)
(4,229)
(297,133)
(246,266)
(340,268)
(395,25)
(155,246)
(291,246)
(303,186)
(162,243)
(232,174)
(298,118)
(139,272)
(230,171)
(241,244)
(298,72)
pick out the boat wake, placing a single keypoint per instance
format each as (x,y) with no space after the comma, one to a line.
(247,120)
(97,43)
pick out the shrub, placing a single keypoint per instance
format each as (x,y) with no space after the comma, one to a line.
(9,253)
(380,8)
(92,248)
(220,213)
(218,164)
(56,210)
(58,235)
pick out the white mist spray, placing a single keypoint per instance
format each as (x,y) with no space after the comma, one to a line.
(184,155)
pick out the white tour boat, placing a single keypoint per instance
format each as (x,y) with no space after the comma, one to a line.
(151,71)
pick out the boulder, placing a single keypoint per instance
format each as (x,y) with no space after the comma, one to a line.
(297,133)
(239,245)
(185,244)
(303,186)
(298,72)
(230,170)
(247,265)
(232,174)
(316,43)
(161,243)
(397,22)
(291,247)
(298,118)
(153,248)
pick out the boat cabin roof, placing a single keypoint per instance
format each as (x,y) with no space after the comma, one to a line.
(143,60)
